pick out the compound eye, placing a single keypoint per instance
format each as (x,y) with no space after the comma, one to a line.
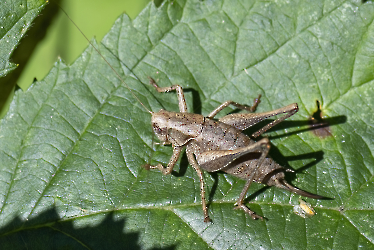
(161,133)
(156,128)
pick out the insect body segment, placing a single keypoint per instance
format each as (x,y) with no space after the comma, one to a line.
(220,145)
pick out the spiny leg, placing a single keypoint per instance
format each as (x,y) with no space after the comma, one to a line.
(238,105)
(264,146)
(174,158)
(244,121)
(181,100)
(217,160)
(195,165)
(288,110)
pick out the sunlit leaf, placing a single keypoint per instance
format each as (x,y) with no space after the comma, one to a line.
(72,146)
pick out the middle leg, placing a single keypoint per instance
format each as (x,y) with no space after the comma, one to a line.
(238,105)
(195,165)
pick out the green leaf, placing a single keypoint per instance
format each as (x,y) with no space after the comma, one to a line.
(16,17)
(72,146)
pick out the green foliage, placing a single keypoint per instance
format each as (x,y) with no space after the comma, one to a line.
(16,17)
(72,146)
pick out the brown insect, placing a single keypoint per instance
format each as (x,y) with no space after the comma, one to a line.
(219,145)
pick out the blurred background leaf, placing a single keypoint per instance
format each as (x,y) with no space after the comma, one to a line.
(52,35)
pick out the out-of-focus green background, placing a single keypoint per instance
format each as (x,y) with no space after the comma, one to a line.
(62,39)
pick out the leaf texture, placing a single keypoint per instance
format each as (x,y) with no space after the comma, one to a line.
(73,145)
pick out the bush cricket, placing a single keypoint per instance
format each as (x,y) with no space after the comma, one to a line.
(219,144)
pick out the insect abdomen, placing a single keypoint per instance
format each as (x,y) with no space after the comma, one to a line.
(216,135)
(244,167)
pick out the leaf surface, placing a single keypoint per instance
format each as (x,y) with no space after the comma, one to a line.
(16,17)
(72,146)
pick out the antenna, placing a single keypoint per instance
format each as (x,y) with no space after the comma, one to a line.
(118,76)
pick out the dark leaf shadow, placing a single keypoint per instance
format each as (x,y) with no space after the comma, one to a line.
(213,189)
(48,231)
(158,2)
(182,166)
(309,126)
(196,100)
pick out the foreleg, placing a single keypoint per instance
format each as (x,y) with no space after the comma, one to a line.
(174,158)
(181,100)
